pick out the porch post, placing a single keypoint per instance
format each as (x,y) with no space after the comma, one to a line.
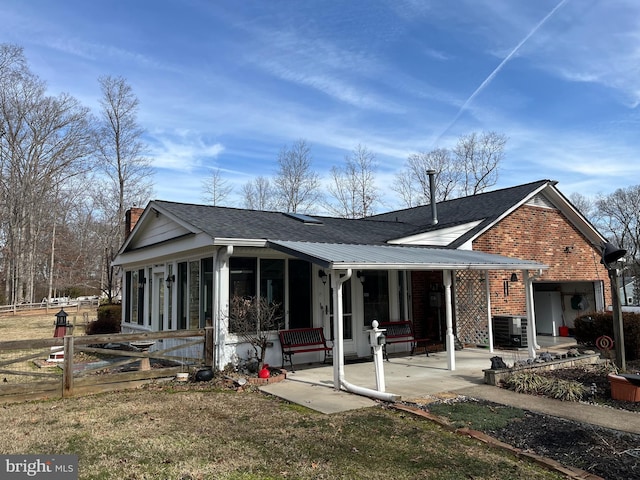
(451,355)
(487,285)
(532,344)
(338,341)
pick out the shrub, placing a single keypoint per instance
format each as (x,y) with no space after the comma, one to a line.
(536,384)
(108,321)
(568,390)
(526,382)
(587,328)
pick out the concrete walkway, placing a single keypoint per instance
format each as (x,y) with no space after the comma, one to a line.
(421,379)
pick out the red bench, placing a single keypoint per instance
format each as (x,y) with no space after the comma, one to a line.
(300,340)
(401,332)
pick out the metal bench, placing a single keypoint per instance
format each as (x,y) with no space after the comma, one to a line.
(300,340)
(401,332)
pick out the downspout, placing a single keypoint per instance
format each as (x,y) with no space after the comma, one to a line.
(222,256)
(338,347)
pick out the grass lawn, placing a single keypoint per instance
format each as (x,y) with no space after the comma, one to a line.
(177,432)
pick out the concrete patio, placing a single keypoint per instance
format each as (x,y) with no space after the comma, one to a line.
(411,377)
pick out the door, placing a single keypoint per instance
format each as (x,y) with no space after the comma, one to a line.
(158,301)
(548,310)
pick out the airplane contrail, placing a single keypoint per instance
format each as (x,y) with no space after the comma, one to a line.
(492,75)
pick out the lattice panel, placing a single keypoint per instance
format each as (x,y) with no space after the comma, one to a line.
(471,307)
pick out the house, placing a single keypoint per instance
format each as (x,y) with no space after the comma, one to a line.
(498,267)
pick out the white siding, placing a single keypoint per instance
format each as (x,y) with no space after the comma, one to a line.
(158,230)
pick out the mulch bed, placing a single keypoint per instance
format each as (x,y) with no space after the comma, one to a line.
(607,453)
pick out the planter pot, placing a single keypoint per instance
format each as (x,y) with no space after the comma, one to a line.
(182,376)
(623,389)
(274,378)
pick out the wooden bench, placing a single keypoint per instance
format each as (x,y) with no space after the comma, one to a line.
(401,332)
(300,340)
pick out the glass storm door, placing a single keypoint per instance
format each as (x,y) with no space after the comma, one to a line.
(157,304)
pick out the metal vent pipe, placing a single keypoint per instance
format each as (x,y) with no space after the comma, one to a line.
(432,194)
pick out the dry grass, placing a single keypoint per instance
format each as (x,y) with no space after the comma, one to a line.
(24,326)
(161,432)
(196,431)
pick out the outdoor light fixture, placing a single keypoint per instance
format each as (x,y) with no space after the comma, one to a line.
(610,255)
(170,279)
(323,276)
(514,277)
(361,276)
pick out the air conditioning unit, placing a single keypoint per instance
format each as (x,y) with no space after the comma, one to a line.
(510,331)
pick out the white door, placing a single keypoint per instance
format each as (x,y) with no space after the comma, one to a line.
(548,308)
(158,301)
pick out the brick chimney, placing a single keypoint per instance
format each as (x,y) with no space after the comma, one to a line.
(131,218)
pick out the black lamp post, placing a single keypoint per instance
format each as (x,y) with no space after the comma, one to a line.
(611,254)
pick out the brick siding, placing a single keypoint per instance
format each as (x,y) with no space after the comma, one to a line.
(541,235)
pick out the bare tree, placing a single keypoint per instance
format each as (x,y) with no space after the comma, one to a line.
(45,142)
(478,156)
(353,186)
(253,319)
(258,194)
(617,218)
(413,182)
(470,168)
(585,205)
(297,186)
(128,173)
(216,188)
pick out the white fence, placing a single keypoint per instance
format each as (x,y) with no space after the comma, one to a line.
(50,306)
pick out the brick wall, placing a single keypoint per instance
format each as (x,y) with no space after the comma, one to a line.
(542,235)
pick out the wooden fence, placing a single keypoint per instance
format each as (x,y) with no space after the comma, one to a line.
(97,363)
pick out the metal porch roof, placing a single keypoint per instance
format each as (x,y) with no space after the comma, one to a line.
(393,257)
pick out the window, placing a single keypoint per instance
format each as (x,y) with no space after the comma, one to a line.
(207,293)
(242,282)
(347,312)
(376,296)
(170,294)
(183,299)
(299,294)
(242,277)
(194,295)
(272,286)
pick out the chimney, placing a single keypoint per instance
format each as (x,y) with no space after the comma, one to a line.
(432,193)
(131,218)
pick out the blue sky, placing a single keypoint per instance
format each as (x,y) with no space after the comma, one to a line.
(227,84)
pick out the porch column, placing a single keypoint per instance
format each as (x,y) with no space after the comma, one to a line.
(338,341)
(532,344)
(450,340)
(487,287)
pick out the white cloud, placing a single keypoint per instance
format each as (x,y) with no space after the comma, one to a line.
(182,151)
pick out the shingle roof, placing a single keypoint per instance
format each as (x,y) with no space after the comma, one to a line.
(486,207)
(225,222)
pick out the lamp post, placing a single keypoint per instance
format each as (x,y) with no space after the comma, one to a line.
(611,254)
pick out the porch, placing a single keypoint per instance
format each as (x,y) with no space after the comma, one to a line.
(411,377)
